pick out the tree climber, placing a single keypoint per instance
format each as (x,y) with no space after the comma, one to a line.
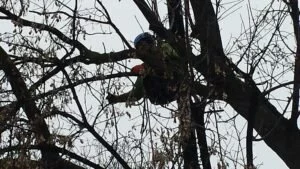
(158,77)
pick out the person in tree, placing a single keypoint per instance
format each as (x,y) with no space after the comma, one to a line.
(158,77)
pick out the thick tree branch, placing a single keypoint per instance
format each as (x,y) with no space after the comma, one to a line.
(175,17)
(269,123)
(295,107)
(92,57)
(206,28)
(89,58)
(251,120)
(282,140)
(190,154)
(25,100)
(198,120)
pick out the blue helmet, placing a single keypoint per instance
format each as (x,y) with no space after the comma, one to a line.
(143,37)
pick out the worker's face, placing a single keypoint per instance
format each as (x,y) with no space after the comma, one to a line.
(142,45)
(144,49)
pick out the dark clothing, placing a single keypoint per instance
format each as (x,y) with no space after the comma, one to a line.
(160,90)
(161,77)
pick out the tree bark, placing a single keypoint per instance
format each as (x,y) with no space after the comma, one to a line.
(25,100)
(198,118)
(269,123)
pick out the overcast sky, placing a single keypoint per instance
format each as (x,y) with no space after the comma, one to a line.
(125,14)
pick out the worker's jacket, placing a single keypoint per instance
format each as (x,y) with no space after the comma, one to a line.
(162,73)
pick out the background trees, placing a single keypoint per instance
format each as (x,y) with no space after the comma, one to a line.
(58,64)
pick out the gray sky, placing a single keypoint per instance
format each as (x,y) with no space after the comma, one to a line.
(125,14)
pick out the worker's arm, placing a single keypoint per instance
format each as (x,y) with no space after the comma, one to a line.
(134,95)
(152,56)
